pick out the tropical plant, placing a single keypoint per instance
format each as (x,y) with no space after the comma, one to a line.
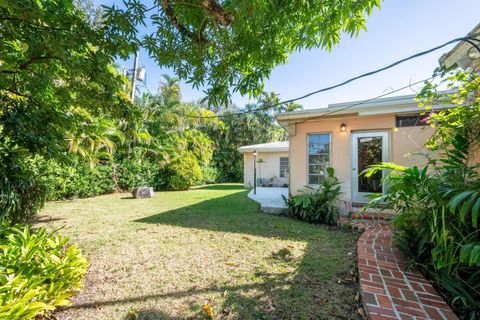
(57,85)
(439,204)
(317,204)
(40,272)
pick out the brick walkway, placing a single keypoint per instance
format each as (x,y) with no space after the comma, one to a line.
(387,291)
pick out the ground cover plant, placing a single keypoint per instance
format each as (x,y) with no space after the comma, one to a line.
(40,272)
(164,257)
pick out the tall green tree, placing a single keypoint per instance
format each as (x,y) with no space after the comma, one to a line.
(235,44)
(56,81)
(253,124)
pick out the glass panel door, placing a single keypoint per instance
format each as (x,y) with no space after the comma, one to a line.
(369,153)
(367,149)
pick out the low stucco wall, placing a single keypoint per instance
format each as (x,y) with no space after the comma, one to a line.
(404,145)
(267,170)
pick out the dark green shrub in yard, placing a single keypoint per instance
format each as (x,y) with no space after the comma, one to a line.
(40,272)
(318,205)
(75,178)
(133,173)
(22,193)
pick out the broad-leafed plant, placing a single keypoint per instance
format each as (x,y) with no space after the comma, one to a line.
(439,204)
(317,204)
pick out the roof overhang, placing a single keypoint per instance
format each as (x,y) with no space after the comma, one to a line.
(389,105)
(281,146)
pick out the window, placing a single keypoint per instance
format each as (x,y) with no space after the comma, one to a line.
(411,120)
(318,157)
(283,167)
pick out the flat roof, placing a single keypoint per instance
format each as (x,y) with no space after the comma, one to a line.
(389,105)
(277,146)
(405,103)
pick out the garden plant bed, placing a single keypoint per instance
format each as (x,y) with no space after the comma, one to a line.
(164,257)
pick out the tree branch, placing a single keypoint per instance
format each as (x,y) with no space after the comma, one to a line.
(33,59)
(168,9)
(217,12)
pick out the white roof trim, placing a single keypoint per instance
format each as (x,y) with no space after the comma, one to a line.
(378,106)
(390,105)
(278,146)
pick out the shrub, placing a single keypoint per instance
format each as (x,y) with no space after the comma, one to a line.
(439,206)
(182,173)
(22,193)
(317,205)
(438,224)
(210,175)
(40,271)
(132,173)
(75,178)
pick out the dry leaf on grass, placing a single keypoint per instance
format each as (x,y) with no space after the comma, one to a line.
(231,264)
(208,310)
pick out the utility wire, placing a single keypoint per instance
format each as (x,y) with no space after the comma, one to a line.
(469,40)
(355,104)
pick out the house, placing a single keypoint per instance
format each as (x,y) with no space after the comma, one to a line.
(272,164)
(350,137)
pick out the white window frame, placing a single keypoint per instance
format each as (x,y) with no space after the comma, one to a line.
(329,162)
(286,171)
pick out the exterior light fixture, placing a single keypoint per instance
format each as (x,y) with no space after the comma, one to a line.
(343,127)
(473,53)
(255,171)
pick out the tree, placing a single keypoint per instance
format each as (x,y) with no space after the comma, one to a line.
(242,127)
(57,81)
(224,44)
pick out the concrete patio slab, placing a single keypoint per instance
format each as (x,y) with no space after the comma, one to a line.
(270,199)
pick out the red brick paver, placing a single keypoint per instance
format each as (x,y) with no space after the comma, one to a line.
(388,291)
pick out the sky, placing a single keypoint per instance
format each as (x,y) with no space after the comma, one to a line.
(399,29)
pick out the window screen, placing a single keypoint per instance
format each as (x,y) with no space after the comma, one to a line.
(411,120)
(283,167)
(318,157)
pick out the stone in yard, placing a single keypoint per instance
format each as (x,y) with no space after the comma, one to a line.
(143,192)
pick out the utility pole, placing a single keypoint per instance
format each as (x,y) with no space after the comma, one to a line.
(134,76)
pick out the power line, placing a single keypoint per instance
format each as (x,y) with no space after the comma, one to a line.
(396,63)
(355,104)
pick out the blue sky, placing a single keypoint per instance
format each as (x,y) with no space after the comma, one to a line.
(399,29)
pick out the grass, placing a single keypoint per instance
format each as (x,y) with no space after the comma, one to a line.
(164,257)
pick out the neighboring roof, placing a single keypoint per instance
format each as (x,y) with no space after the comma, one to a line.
(459,54)
(388,105)
(277,146)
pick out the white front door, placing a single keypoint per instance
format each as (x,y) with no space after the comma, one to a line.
(368,148)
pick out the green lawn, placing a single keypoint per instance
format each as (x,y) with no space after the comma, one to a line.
(165,257)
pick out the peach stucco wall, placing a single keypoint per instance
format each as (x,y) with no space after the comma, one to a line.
(403,145)
(269,169)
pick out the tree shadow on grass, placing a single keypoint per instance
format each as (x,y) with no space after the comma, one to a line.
(310,290)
